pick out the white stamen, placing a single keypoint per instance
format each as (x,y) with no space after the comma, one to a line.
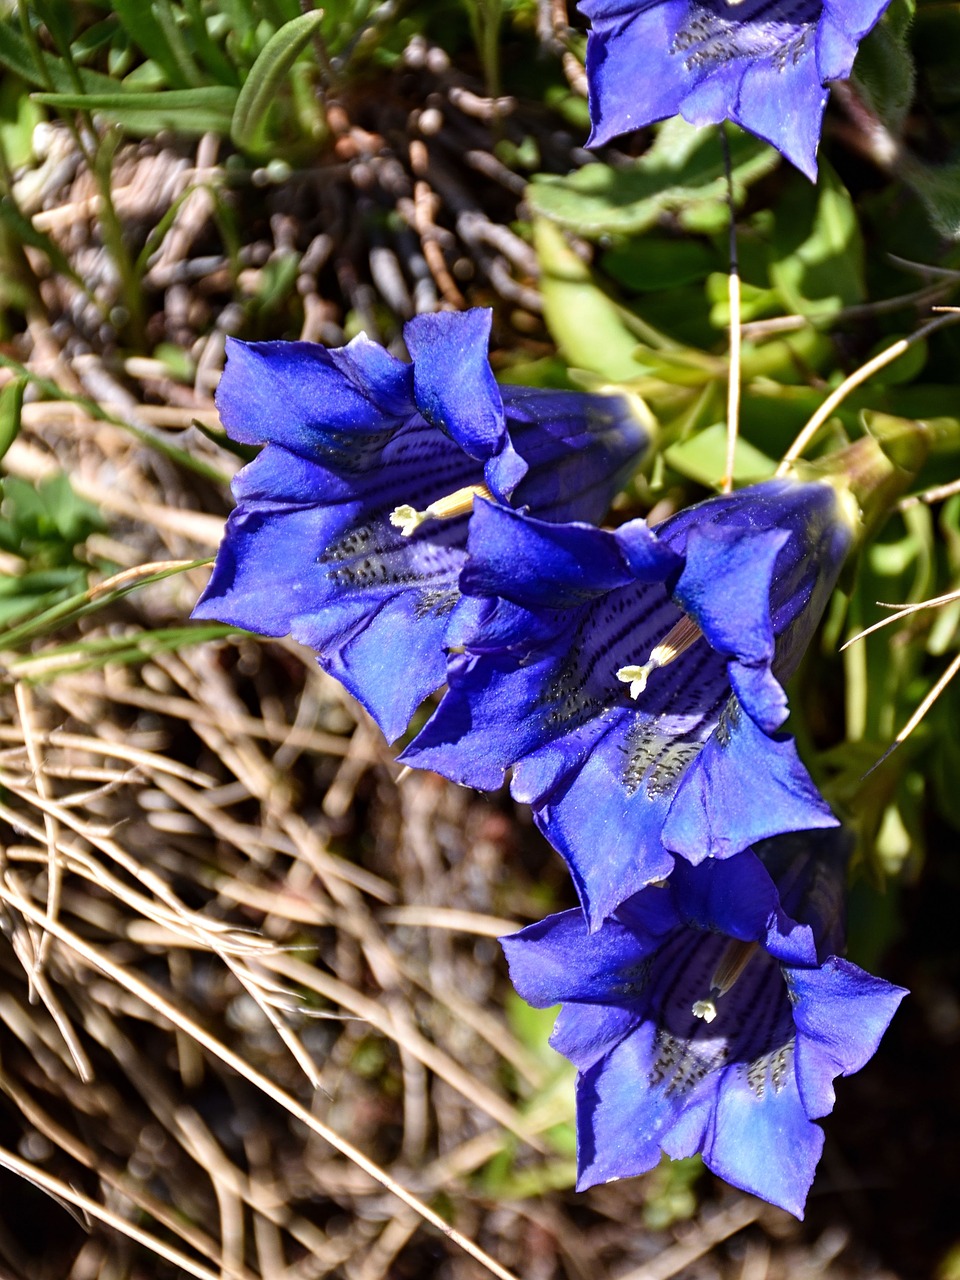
(636,677)
(736,956)
(705,1009)
(407,519)
(677,640)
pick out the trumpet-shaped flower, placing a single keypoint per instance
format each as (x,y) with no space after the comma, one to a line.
(633,678)
(350,527)
(765,64)
(707,1015)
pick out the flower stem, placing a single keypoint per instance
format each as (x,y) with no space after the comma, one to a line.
(733,286)
(859,376)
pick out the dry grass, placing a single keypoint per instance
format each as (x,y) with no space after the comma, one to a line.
(252,1005)
(253,1016)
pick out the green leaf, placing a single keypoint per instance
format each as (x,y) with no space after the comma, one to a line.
(90,655)
(754,300)
(210,53)
(19,116)
(40,590)
(11,404)
(260,89)
(58,17)
(588,326)
(703,458)
(682,174)
(139,19)
(92,39)
(50,616)
(50,72)
(818,264)
(659,262)
(186,111)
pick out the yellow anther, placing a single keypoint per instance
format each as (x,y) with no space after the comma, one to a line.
(407,519)
(677,640)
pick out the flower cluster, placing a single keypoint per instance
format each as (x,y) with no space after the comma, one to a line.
(351,524)
(711,1014)
(417,525)
(765,64)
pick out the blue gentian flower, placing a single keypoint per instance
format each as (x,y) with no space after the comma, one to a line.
(326,543)
(633,679)
(707,1015)
(765,64)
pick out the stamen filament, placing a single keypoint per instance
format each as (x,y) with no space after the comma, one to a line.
(407,519)
(677,640)
(736,956)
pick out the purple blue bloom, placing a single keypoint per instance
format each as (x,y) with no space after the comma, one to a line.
(703,619)
(353,434)
(765,64)
(711,1015)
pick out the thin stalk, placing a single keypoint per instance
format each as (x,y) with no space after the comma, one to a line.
(733,286)
(856,379)
(920,712)
(145,434)
(63,1193)
(98,959)
(98,162)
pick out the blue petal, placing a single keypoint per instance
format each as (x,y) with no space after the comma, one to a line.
(610,839)
(584,1033)
(393,659)
(538,564)
(386,381)
(735,897)
(576,447)
(488,625)
(742,787)
(809,869)
(633,78)
(836,47)
(311,553)
(491,715)
(726,587)
(844,22)
(714,97)
(294,394)
(841,1014)
(556,959)
(761,1139)
(785,106)
(621,1120)
(267,569)
(454,385)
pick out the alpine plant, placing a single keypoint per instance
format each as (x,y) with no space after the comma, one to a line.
(764,64)
(350,527)
(711,1014)
(634,679)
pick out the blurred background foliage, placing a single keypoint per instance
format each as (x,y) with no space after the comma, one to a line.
(175,172)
